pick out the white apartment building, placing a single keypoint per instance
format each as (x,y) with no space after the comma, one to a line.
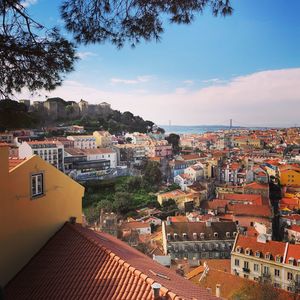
(50,151)
(83,141)
(259,259)
(102,153)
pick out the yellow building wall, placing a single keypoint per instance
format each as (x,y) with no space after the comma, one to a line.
(27,224)
(102,141)
(290,177)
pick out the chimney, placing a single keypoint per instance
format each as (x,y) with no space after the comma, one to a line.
(156,288)
(218,290)
(72,220)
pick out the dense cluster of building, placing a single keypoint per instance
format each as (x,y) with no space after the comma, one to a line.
(236,195)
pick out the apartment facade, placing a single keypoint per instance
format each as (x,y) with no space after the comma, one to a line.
(50,151)
(83,141)
(198,240)
(259,259)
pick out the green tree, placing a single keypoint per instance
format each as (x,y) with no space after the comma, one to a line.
(36,57)
(256,291)
(152,173)
(106,205)
(15,115)
(123,202)
(174,140)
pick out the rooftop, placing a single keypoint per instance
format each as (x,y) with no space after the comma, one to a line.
(79,263)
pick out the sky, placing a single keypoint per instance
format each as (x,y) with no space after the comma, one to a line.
(244,67)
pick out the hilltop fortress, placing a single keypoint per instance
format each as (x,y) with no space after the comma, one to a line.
(57,108)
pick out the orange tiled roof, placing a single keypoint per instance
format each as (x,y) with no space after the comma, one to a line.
(293,251)
(250,210)
(78,263)
(255,185)
(272,247)
(13,162)
(295,228)
(255,199)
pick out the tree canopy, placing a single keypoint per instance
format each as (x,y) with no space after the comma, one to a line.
(37,57)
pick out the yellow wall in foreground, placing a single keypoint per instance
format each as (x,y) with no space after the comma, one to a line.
(27,224)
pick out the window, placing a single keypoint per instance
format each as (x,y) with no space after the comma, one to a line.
(248,251)
(257,253)
(37,185)
(268,255)
(266,270)
(246,264)
(276,272)
(277,285)
(290,276)
(256,268)
(237,262)
(278,258)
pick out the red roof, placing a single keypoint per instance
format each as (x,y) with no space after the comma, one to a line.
(250,210)
(255,185)
(78,263)
(272,247)
(295,228)
(293,251)
(13,162)
(255,199)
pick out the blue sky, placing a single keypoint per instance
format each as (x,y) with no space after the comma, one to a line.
(201,73)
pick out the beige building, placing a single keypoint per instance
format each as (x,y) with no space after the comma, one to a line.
(36,200)
(259,259)
(181,198)
(103,139)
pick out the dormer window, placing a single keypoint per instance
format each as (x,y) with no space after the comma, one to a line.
(184,235)
(268,255)
(291,261)
(168,236)
(194,235)
(216,234)
(202,235)
(257,254)
(234,234)
(175,236)
(298,262)
(278,258)
(239,249)
(228,234)
(248,251)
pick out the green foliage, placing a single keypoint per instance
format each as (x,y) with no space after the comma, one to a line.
(152,173)
(123,202)
(256,291)
(32,55)
(119,21)
(122,195)
(174,140)
(169,204)
(15,115)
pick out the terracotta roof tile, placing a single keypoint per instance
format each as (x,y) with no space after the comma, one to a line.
(13,162)
(272,247)
(77,263)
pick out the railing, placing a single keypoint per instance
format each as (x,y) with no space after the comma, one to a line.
(246,270)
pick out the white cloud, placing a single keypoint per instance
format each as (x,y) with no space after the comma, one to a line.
(267,98)
(188,82)
(139,79)
(27,3)
(85,54)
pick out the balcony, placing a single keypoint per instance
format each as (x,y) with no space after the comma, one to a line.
(246,270)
